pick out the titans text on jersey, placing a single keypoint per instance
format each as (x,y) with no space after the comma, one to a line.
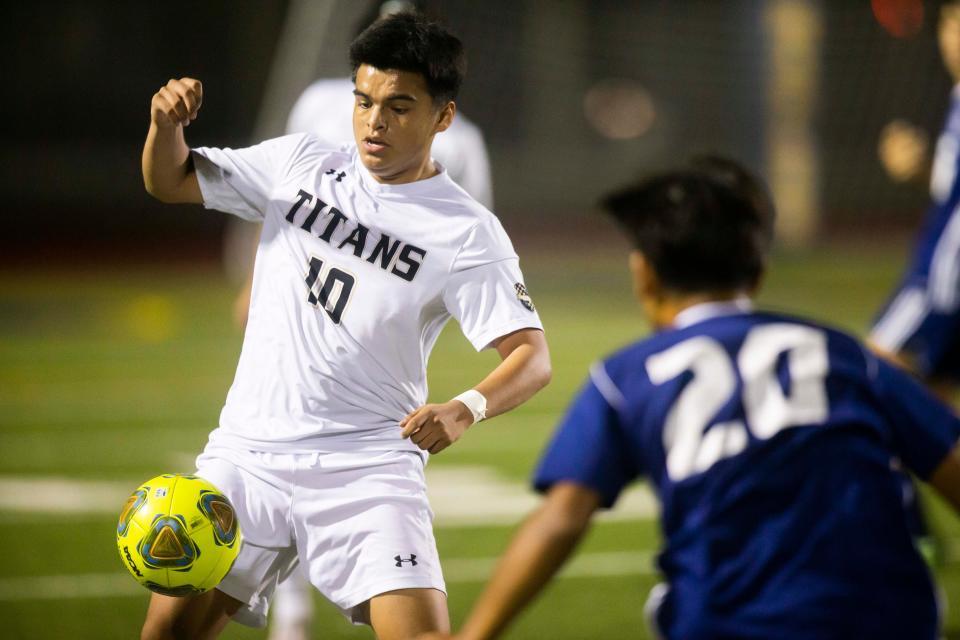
(353,282)
(382,252)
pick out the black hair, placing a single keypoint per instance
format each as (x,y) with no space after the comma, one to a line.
(377,10)
(410,42)
(703,228)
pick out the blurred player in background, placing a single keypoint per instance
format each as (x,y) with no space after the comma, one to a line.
(324,109)
(366,252)
(770,441)
(919,327)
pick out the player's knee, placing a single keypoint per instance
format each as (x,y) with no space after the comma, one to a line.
(173,631)
(167,627)
(151,630)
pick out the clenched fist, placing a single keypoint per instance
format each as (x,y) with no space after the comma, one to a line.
(434,427)
(177,103)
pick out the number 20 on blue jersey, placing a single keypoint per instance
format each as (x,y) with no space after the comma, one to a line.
(693,441)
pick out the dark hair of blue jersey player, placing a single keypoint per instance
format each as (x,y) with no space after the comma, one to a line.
(772,443)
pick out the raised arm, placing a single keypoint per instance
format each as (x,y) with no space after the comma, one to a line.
(167,170)
(524,370)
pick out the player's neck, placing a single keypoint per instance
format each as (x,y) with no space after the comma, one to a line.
(663,311)
(421,170)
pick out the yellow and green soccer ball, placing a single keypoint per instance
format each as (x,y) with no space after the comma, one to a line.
(178,535)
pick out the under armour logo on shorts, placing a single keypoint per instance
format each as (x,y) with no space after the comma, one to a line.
(523,296)
(412,560)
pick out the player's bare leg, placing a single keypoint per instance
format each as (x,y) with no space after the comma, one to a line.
(405,614)
(196,617)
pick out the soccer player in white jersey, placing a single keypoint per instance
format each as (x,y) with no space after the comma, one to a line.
(325,109)
(366,252)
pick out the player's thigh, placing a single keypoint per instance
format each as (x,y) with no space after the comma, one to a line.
(406,613)
(196,617)
(364,528)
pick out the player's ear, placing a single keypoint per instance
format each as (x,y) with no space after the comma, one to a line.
(646,284)
(754,289)
(445,116)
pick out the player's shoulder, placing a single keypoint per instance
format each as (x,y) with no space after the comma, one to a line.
(486,226)
(310,150)
(842,347)
(449,198)
(731,330)
(481,237)
(837,337)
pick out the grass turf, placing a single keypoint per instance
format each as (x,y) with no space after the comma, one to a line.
(119,374)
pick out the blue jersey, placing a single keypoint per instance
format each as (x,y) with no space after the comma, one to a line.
(772,444)
(922,317)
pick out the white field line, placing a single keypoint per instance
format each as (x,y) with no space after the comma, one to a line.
(460,496)
(477,496)
(62,495)
(456,570)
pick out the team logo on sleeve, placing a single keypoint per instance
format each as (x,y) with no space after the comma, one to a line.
(523,296)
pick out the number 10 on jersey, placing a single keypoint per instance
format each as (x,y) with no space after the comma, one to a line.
(329,289)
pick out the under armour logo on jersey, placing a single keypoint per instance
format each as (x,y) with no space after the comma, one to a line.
(339,176)
(523,296)
(412,560)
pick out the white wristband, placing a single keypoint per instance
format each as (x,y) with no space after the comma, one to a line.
(476,402)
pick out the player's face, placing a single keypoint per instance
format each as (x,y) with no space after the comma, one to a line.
(949,38)
(394,121)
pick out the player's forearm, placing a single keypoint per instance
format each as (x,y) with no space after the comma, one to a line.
(165,162)
(525,369)
(537,551)
(167,172)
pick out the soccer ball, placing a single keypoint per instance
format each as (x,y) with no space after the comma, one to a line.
(178,535)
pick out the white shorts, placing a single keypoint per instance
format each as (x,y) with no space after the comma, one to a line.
(359,522)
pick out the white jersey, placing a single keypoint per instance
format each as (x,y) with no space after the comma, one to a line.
(353,282)
(325,108)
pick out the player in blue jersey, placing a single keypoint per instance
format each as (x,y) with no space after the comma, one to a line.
(919,327)
(772,443)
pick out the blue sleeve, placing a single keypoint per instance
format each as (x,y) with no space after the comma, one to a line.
(924,430)
(589,449)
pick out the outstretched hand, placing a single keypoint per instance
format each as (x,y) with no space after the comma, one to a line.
(434,427)
(177,103)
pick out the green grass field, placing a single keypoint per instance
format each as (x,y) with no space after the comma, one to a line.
(109,376)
